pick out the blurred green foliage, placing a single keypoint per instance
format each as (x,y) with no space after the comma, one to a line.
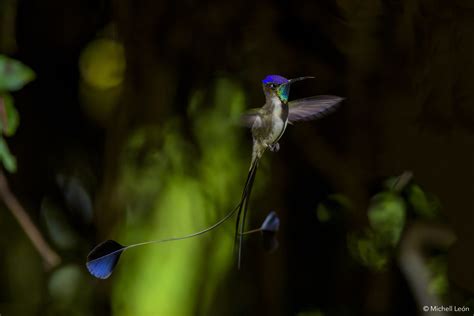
(102,63)
(102,68)
(334,209)
(424,205)
(387,214)
(68,287)
(57,225)
(439,284)
(366,250)
(323,213)
(13,76)
(375,245)
(11,119)
(8,160)
(188,197)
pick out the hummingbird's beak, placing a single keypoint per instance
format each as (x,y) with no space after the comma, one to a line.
(298,79)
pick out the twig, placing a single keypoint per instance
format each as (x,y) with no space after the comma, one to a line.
(402,181)
(50,257)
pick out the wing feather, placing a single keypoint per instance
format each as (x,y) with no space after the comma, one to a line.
(312,108)
(251,118)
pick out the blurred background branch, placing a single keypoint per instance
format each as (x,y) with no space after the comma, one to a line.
(50,257)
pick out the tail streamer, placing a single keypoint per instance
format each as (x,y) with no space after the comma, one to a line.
(242,212)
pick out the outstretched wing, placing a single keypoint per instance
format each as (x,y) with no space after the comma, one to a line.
(250,118)
(312,108)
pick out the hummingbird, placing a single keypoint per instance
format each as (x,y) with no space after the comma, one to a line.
(268,125)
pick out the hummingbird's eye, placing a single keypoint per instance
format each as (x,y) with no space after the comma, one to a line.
(272,85)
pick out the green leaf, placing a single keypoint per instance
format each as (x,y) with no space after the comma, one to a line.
(14,74)
(7,159)
(323,213)
(370,254)
(423,204)
(387,217)
(342,200)
(9,118)
(439,283)
(365,249)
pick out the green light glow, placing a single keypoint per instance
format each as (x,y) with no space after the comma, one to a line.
(191,188)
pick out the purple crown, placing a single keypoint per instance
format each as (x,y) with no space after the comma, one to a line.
(275,79)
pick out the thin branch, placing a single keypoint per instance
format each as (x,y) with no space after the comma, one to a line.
(50,257)
(402,181)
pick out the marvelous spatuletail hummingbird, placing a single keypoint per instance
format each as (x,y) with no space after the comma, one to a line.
(268,124)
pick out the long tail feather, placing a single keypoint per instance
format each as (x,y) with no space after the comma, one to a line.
(102,260)
(243,206)
(242,227)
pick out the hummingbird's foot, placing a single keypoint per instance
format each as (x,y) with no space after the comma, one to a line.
(275,147)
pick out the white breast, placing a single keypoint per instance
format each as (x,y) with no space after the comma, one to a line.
(276,105)
(277,130)
(278,124)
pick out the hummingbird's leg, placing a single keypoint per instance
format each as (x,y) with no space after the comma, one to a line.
(275,147)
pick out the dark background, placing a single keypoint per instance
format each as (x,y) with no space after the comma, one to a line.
(121,156)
